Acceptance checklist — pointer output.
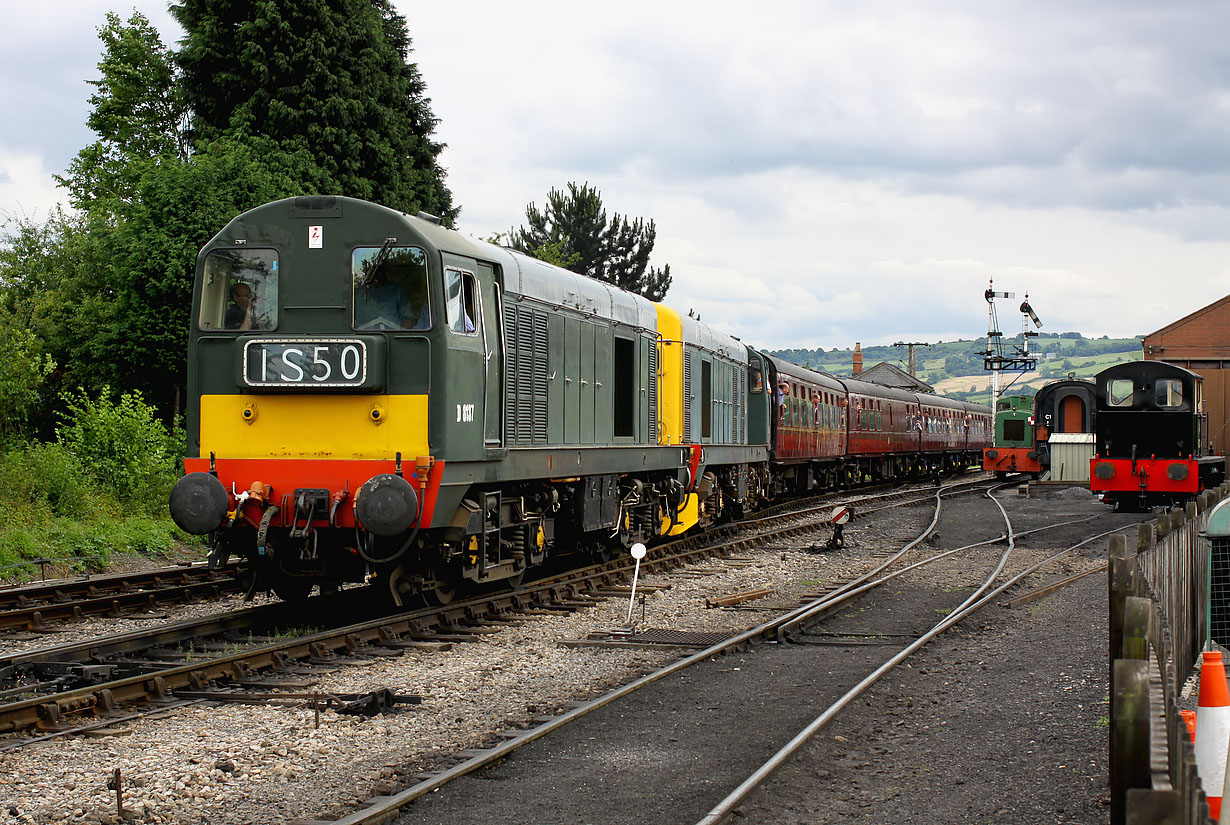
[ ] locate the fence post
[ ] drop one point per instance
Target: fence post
(1153, 807)
(1144, 538)
(1137, 613)
(1178, 517)
(1129, 767)
(1119, 585)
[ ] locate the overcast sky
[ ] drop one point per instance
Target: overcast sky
(819, 172)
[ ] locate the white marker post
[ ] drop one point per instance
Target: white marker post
(638, 553)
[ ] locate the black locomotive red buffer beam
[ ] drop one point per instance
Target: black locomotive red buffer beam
(1178, 476)
(1010, 460)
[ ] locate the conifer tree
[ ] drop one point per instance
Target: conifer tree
(329, 77)
(573, 227)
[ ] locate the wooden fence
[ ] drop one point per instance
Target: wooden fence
(1158, 626)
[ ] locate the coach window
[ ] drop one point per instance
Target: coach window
(1119, 392)
(239, 290)
(1169, 392)
(390, 288)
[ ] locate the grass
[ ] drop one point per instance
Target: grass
(86, 546)
(50, 508)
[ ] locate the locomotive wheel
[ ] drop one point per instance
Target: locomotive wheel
(514, 581)
(290, 589)
(440, 589)
(440, 595)
(436, 591)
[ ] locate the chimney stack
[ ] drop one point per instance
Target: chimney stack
(858, 359)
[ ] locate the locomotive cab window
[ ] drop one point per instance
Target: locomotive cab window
(459, 301)
(1169, 392)
(1119, 392)
(390, 288)
(239, 290)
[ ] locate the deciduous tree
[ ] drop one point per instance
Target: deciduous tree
(139, 114)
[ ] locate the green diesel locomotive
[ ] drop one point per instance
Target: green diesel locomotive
(372, 395)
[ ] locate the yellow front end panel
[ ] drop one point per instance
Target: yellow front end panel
(670, 385)
(315, 426)
(685, 518)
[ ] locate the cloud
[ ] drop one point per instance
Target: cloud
(47, 53)
(824, 173)
(27, 190)
(946, 97)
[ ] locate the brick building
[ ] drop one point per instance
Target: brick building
(1201, 343)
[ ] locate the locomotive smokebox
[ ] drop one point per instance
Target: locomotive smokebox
(198, 503)
(387, 505)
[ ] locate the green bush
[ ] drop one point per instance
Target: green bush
(99, 491)
(123, 446)
(42, 481)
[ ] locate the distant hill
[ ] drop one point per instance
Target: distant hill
(955, 368)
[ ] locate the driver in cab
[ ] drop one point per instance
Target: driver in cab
(387, 303)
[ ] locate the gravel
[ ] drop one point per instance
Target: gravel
(237, 764)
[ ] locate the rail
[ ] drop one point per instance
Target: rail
(1157, 627)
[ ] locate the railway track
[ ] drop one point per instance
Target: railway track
(88, 684)
(40, 607)
(985, 593)
(776, 630)
(792, 625)
(36, 607)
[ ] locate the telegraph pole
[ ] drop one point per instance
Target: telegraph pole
(912, 357)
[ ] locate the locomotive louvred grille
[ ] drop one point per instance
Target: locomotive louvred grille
(687, 397)
(540, 378)
(736, 391)
(653, 391)
(526, 390)
(512, 372)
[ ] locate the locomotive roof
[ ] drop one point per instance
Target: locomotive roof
(530, 277)
(527, 276)
(704, 336)
(1063, 384)
(1074, 386)
(1147, 369)
(523, 275)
